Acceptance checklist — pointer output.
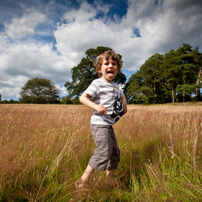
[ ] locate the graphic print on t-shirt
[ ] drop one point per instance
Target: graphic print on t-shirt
(118, 110)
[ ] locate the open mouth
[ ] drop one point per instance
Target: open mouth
(110, 73)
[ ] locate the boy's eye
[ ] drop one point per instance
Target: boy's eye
(107, 63)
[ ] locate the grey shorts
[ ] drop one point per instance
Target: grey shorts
(106, 155)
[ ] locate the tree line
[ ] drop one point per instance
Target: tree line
(175, 76)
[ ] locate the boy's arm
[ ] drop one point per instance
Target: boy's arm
(124, 102)
(84, 99)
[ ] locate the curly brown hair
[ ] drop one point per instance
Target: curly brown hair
(107, 55)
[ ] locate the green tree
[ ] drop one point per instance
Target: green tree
(146, 84)
(188, 71)
(137, 90)
(154, 64)
(198, 63)
(39, 90)
(171, 72)
(84, 73)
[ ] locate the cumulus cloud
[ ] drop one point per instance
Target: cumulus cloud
(11, 85)
(160, 27)
(81, 31)
(4, 42)
(32, 60)
(21, 27)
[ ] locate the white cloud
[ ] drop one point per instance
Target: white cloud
(24, 26)
(62, 90)
(85, 13)
(4, 42)
(11, 85)
(11, 81)
(82, 31)
(31, 60)
(8, 93)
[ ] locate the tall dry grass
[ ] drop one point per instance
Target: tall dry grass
(45, 148)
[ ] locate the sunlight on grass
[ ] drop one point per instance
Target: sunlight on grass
(44, 149)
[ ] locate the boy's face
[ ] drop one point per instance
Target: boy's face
(109, 69)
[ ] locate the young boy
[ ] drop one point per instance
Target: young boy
(104, 96)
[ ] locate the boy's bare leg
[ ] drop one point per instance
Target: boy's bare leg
(82, 182)
(88, 172)
(110, 178)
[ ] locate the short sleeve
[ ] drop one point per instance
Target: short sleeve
(121, 93)
(92, 90)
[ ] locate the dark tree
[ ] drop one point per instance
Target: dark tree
(198, 63)
(171, 72)
(39, 90)
(145, 86)
(188, 71)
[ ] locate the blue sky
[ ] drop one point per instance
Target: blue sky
(46, 38)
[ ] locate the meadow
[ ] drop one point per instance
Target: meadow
(44, 149)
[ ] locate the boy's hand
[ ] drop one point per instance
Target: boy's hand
(85, 100)
(101, 109)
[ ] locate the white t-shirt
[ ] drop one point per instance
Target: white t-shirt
(103, 92)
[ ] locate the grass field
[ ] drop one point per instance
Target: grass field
(44, 149)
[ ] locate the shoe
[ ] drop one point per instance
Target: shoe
(81, 185)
